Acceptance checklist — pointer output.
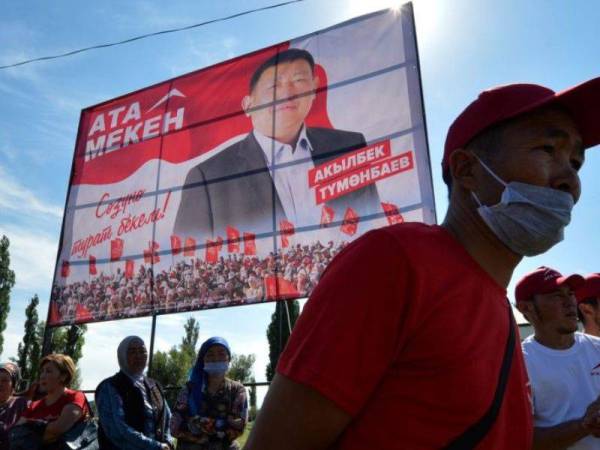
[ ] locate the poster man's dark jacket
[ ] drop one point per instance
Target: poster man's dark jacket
(213, 197)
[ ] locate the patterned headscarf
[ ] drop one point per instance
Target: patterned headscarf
(13, 370)
(198, 376)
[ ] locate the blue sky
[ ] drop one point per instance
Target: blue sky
(465, 46)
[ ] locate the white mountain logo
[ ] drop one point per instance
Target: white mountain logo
(172, 93)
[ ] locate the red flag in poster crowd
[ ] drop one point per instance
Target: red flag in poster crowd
(65, 269)
(175, 245)
(327, 215)
(287, 229)
(392, 213)
(154, 248)
(233, 240)
(350, 223)
(116, 249)
(82, 314)
(54, 315)
(150, 254)
(211, 254)
(249, 244)
(92, 265)
(219, 243)
(190, 247)
(129, 268)
(277, 287)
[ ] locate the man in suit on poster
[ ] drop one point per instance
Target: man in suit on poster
(263, 179)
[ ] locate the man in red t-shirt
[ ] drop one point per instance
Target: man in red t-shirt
(408, 340)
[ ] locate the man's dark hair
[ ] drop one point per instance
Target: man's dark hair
(289, 55)
(485, 145)
(588, 301)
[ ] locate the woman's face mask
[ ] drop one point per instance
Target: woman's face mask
(216, 360)
(216, 368)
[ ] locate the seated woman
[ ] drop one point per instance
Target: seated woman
(132, 409)
(212, 410)
(61, 408)
(11, 406)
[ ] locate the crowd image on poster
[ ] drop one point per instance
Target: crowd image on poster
(239, 183)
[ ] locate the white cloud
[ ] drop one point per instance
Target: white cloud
(99, 354)
(16, 197)
(27, 72)
(12, 338)
(20, 93)
(9, 152)
(99, 359)
(32, 257)
(23, 42)
(197, 53)
(157, 18)
(143, 17)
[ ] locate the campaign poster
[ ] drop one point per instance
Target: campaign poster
(239, 183)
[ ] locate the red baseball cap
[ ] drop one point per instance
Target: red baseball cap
(590, 289)
(544, 280)
(505, 102)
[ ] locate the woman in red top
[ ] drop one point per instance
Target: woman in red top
(61, 408)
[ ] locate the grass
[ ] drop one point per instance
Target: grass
(242, 439)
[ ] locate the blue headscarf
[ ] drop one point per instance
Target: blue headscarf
(198, 376)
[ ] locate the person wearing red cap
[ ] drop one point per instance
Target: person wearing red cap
(563, 364)
(588, 297)
(408, 340)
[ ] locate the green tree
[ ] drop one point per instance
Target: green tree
(190, 338)
(241, 369)
(69, 341)
(253, 410)
(7, 281)
(278, 331)
(171, 368)
(29, 350)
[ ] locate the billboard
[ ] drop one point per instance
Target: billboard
(238, 183)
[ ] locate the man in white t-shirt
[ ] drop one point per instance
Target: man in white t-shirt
(563, 365)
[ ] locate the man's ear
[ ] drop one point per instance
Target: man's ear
(585, 309)
(526, 308)
(461, 164)
(247, 104)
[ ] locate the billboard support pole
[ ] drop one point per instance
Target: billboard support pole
(287, 313)
(152, 334)
(47, 343)
(280, 315)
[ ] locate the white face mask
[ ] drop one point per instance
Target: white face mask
(528, 219)
(216, 368)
